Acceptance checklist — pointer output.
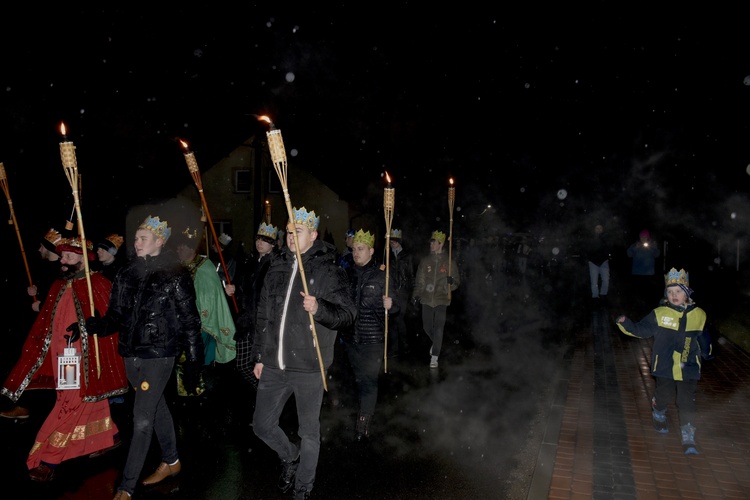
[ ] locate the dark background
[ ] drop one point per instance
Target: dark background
(555, 118)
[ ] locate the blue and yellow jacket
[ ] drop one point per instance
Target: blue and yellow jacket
(680, 340)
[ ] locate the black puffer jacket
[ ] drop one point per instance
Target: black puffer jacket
(367, 287)
(327, 282)
(152, 304)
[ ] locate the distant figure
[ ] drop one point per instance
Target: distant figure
(644, 280)
(110, 261)
(597, 253)
(401, 285)
(681, 339)
(345, 260)
(432, 288)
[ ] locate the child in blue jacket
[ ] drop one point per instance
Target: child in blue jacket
(681, 339)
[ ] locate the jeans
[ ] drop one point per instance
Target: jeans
(595, 272)
(366, 361)
(274, 389)
(433, 322)
(151, 415)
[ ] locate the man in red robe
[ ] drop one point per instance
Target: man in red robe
(80, 422)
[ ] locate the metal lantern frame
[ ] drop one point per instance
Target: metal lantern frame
(69, 369)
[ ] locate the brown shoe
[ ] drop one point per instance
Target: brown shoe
(162, 472)
(18, 412)
(43, 473)
(122, 495)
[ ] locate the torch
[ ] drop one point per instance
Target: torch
(389, 202)
(13, 221)
(451, 201)
(70, 165)
(192, 165)
(268, 212)
(278, 156)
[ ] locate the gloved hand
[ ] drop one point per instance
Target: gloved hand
(191, 376)
(75, 332)
(96, 325)
(450, 280)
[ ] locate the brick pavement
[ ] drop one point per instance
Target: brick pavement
(600, 442)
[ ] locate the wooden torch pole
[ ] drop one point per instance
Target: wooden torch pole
(6, 190)
(278, 156)
(70, 165)
(389, 203)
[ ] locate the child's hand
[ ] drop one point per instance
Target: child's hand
(621, 319)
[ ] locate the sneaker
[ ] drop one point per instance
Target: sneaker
(434, 362)
(163, 472)
(17, 412)
(288, 472)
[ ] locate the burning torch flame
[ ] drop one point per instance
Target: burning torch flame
(387, 178)
(266, 119)
(451, 181)
(185, 145)
(62, 129)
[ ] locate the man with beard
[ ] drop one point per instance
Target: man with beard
(80, 423)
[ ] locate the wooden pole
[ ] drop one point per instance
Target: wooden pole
(278, 156)
(389, 203)
(6, 190)
(451, 201)
(192, 164)
(70, 165)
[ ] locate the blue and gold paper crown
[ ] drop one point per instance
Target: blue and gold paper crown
(396, 233)
(675, 277)
(438, 236)
(267, 231)
(364, 237)
(305, 218)
(159, 228)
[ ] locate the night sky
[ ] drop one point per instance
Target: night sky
(554, 118)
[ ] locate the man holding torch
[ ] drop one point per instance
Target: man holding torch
(284, 350)
(437, 277)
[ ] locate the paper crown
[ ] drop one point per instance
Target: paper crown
(225, 239)
(52, 239)
(364, 237)
(267, 231)
(111, 243)
(159, 228)
(675, 277)
(307, 219)
(74, 245)
(396, 233)
(438, 236)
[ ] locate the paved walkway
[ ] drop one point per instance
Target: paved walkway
(600, 442)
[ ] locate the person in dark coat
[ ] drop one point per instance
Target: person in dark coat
(365, 339)
(288, 359)
(401, 276)
(250, 283)
(153, 306)
(597, 254)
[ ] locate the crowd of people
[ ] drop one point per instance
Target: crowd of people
(159, 321)
(153, 318)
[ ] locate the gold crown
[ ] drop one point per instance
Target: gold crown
(115, 239)
(364, 237)
(268, 231)
(53, 236)
(307, 219)
(675, 277)
(396, 233)
(159, 228)
(438, 236)
(74, 245)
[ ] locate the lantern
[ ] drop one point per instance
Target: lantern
(69, 369)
